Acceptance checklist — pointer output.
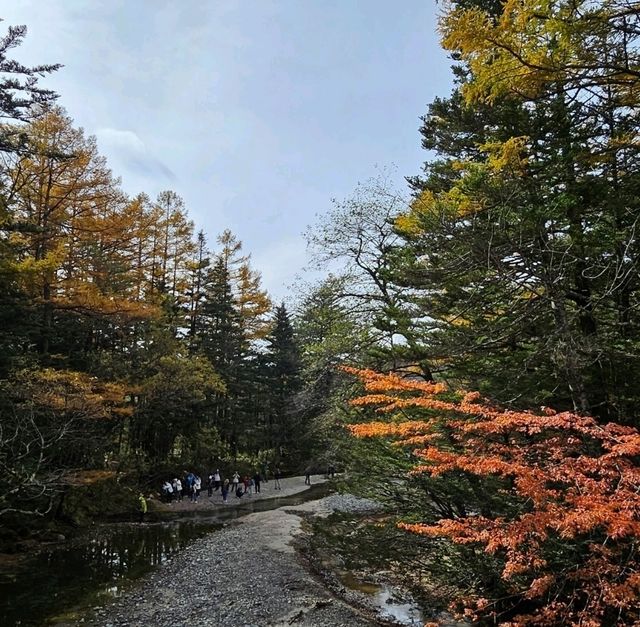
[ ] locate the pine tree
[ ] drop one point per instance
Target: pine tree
(72, 256)
(198, 268)
(282, 370)
(20, 98)
(223, 343)
(20, 94)
(518, 241)
(253, 302)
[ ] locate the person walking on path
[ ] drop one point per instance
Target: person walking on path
(189, 480)
(142, 507)
(236, 480)
(210, 485)
(256, 482)
(225, 490)
(194, 492)
(216, 480)
(307, 476)
(276, 476)
(177, 486)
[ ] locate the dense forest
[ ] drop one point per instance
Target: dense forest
(479, 333)
(127, 342)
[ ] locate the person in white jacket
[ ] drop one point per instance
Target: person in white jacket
(177, 488)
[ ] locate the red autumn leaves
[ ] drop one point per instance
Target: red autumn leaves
(578, 483)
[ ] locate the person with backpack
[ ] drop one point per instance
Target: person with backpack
(189, 479)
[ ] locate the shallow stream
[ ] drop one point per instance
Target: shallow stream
(386, 601)
(58, 585)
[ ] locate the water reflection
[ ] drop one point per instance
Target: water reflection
(90, 568)
(130, 547)
(100, 563)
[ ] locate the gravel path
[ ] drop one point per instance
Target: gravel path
(290, 485)
(247, 574)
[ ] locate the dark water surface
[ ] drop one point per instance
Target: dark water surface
(60, 584)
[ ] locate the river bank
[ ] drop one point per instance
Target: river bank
(59, 582)
(288, 487)
(248, 562)
(246, 574)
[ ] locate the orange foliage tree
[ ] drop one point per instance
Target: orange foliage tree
(569, 549)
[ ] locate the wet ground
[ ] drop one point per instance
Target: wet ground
(193, 566)
(62, 582)
(386, 600)
(245, 575)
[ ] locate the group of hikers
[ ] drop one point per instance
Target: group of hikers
(191, 485)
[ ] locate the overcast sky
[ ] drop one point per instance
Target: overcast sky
(257, 112)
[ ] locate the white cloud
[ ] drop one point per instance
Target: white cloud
(127, 147)
(117, 137)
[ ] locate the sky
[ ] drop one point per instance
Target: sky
(256, 112)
